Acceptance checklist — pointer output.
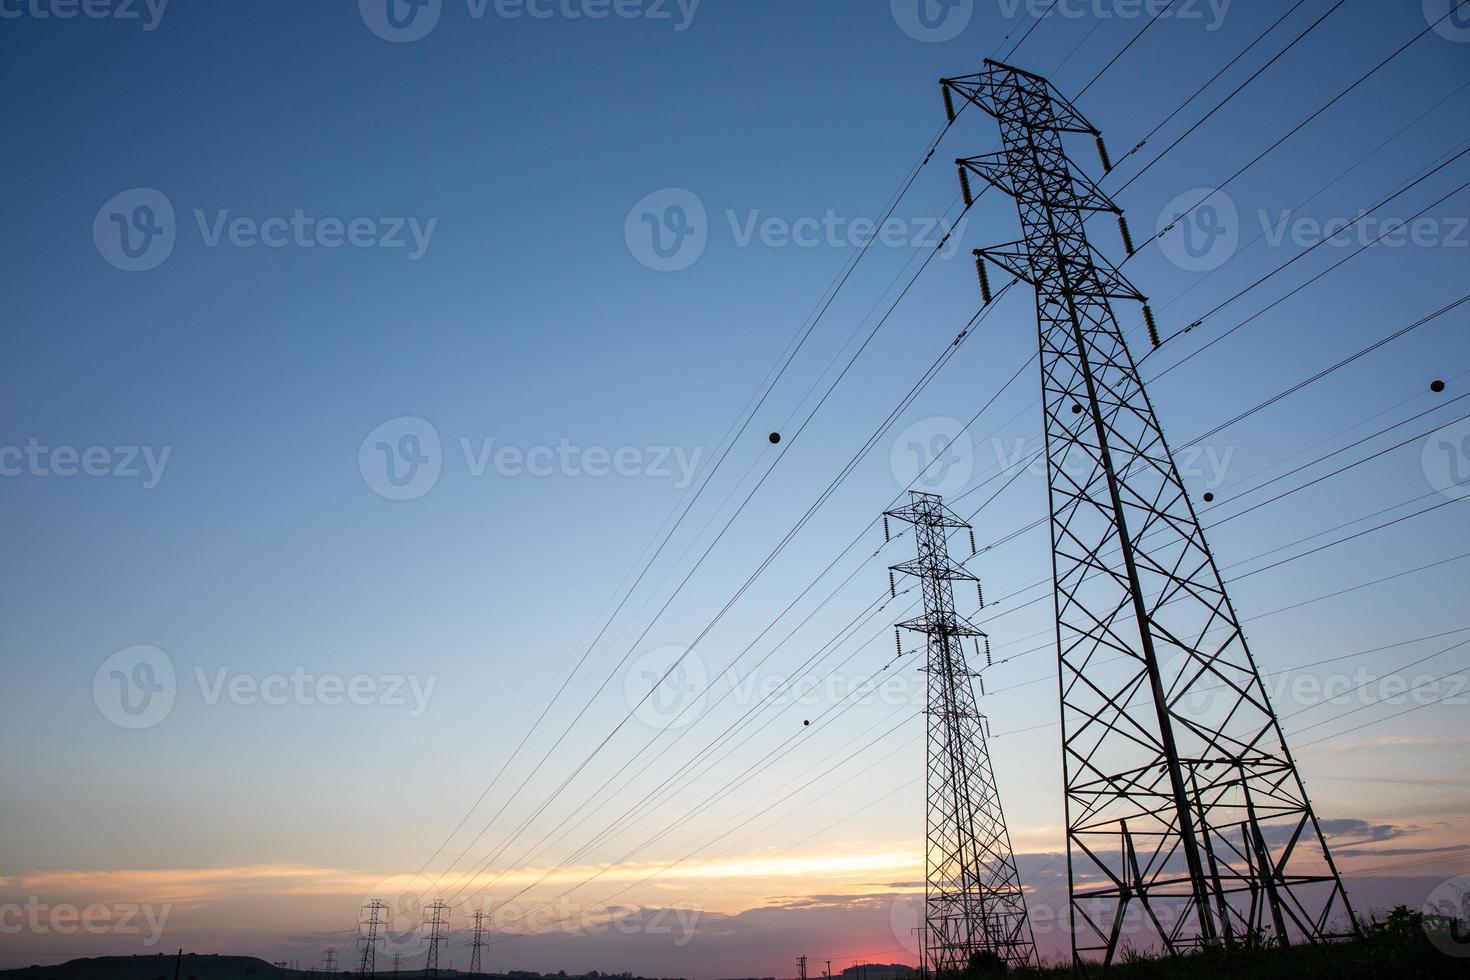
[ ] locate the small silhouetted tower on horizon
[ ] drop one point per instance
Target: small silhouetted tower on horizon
(479, 942)
(973, 901)
(1187, 821)
(436, 918)
(329, 961)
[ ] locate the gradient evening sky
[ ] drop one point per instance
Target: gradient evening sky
(529, 319)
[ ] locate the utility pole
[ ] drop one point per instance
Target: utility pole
(1183, 802)
(801, 967)
(973, 901)
(478, 943)
(372, 919)
(437, 915)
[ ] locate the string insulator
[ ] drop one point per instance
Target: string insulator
(1102, 152)
(898, 640)
(1153, 328)
(987, 727)
(982, 685)
(980, 593)
(887, 537)
(892, 589)
(965, 186)
(1127, 235)
(988, 661)
(972, 541)
(984, 279)
(949, 103)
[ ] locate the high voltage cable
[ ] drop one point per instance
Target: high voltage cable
(793, 348)
(1324, 188)
(745, 775)
(1295, 129)
(1356, 252)
(768, 387)
(1154, 19)
(1221, 104)
(790, 534)
(1213, 78)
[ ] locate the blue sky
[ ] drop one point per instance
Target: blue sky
(525, 151)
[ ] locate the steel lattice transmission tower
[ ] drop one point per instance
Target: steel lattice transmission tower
(329, 961)
(436, 917)
(1187, 822)
(372, 920)
(973, 902)
(479, 942)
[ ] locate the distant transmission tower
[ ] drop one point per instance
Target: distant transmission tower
(372, 919)
(397, 962)
(973, 902)
(479, 942)
(437, 916)
(1187, 822)
(329, 961)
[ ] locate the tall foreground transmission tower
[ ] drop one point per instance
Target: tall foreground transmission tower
(973, 903)
(1187, 822)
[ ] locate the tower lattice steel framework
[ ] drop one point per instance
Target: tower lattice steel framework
(368, 940)
(1187, 822)
(973, 902)
(437, 918)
